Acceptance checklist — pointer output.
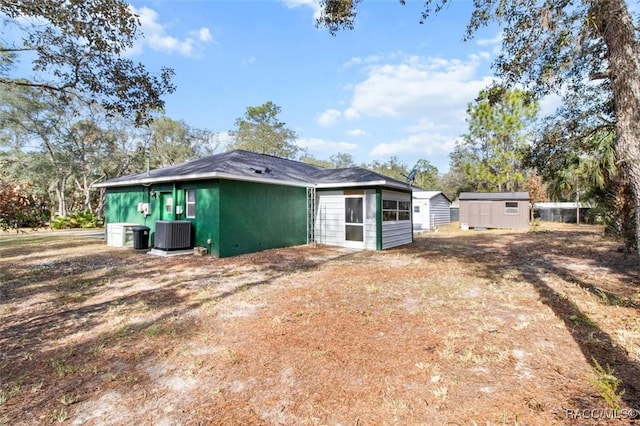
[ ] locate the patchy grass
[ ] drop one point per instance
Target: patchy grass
(607, 385)
(486, 328)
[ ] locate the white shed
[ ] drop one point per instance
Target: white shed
(430, 209)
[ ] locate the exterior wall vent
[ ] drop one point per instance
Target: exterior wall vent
(172, 235)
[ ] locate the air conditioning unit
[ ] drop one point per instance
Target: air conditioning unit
(172, 235)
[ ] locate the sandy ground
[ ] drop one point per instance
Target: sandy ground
(460, 328)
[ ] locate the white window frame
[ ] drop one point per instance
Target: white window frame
(511, 209)
(407, 210)
(190, 206)
(393, 210)
(396, 211)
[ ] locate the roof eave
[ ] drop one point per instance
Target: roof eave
(146, 181)
(357, 184)
(198, 176)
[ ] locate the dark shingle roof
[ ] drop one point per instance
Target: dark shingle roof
(245, 165)
(497, 196)
(353, 175)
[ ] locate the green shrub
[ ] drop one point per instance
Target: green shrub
(77, 220)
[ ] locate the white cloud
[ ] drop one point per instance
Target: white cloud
(351, 114)
(497, 40)
(353, 61)
(419, 144)
(204, 35)
(494, 43)
(549, 104)
(371, 59)
(224, 138)
(325, 146)
(356, 132)
(248, 60)
(415, 106)
(156, 37)
(433, 90)
(313, 4)
(328, 117)
(480, 56)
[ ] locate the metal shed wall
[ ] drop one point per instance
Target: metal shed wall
(433, 211)
(494, 214)
(440, 211)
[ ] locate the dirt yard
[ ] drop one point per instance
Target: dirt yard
(459, 328)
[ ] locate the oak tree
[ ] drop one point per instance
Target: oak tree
(76, 48)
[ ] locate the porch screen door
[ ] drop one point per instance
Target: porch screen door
(354, 218)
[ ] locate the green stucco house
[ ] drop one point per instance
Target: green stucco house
(242, 202)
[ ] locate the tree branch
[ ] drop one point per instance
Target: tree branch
(26, 83)
(600, 75)
(11, 50)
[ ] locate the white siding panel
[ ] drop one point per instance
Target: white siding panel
(393, 195)
(396, 233)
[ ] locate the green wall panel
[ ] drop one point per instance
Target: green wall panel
(122, 204)
(232, 217)
(207, 221)
(256, 217)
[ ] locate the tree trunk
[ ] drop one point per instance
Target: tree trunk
(101, 201)
(578, 206)
(61, 210)
(85, 187)
(624, 69)
(62, 197)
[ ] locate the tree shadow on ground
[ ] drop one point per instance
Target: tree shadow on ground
(48, 347)
(538, 257)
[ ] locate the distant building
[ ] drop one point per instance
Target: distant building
(565, 212)
(430, 210)
(508, 210)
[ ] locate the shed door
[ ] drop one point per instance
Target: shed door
(354, 220)
(480, 214)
